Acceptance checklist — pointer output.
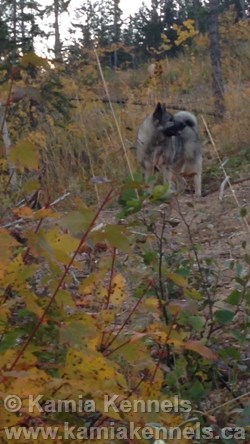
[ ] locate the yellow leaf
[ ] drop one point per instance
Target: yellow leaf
(177, 279)
(32, 302)
(7, 419)
(31, 58)
(24, 212)
(151, 303)
(27, 360)
(59, 245)
(117, 292)
(17, 273)
(7, 243)
(182, 282)
(201, 349)
(45, 212)
(94, 368)
(25, 155)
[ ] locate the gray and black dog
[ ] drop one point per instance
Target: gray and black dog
(170, 143)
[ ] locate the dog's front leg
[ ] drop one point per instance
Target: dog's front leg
(167, 175)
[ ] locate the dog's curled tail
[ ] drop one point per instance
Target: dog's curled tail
(186, 118)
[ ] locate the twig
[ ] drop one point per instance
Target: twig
(106, 306)
(129, 316)
(21, 220)
(244, 219)
(204, 281)
(231, 401)
(114, 116)
(163, 348)
(61, 281)
(233, 182)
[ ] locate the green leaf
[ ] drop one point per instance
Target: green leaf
(244, 421)
(9, 340)
(224, 316)
(197, 390)
(149, 257)
(247, 258)
(77, 221)
(243, 212)
(229, 352)
(159, 191)
(117, 238)
(64, 299)
(196, 322)
(76, 333)
(234, 297)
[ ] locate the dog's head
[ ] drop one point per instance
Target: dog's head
(161, 117)
(166, 123)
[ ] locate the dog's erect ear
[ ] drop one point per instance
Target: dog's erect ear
(157, 115)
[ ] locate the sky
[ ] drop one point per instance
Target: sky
(127, 6)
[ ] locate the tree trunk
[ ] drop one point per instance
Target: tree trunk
(7, 145)
(243, 9)
(196, 5)
(15, 21)
(58, 46)
(22, 21)
(217, 82)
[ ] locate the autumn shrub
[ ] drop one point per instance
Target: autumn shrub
(95, 305)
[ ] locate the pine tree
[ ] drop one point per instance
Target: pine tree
(57, 7)
(21, 20)
(217, 82)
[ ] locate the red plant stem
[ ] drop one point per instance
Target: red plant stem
(61, 281)
(163, 348)
(109, 289)
(111, 278)
(129, 316)
(109, 352)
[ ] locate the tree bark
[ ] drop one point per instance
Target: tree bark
(243, 9)
(217, 81)
(58, 46)
(196, 5)
(7, 145)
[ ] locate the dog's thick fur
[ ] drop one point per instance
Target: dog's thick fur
(170, 143)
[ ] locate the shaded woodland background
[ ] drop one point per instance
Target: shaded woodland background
(106, 287)
(191, 54)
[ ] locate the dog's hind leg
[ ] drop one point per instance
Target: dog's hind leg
(197, 184)
(198, 179)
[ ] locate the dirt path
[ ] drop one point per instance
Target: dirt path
(217, 226)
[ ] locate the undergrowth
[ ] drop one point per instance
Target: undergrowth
(93, 310)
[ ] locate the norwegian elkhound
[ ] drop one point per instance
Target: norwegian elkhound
(170, 143)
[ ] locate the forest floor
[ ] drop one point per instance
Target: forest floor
(218, 227)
